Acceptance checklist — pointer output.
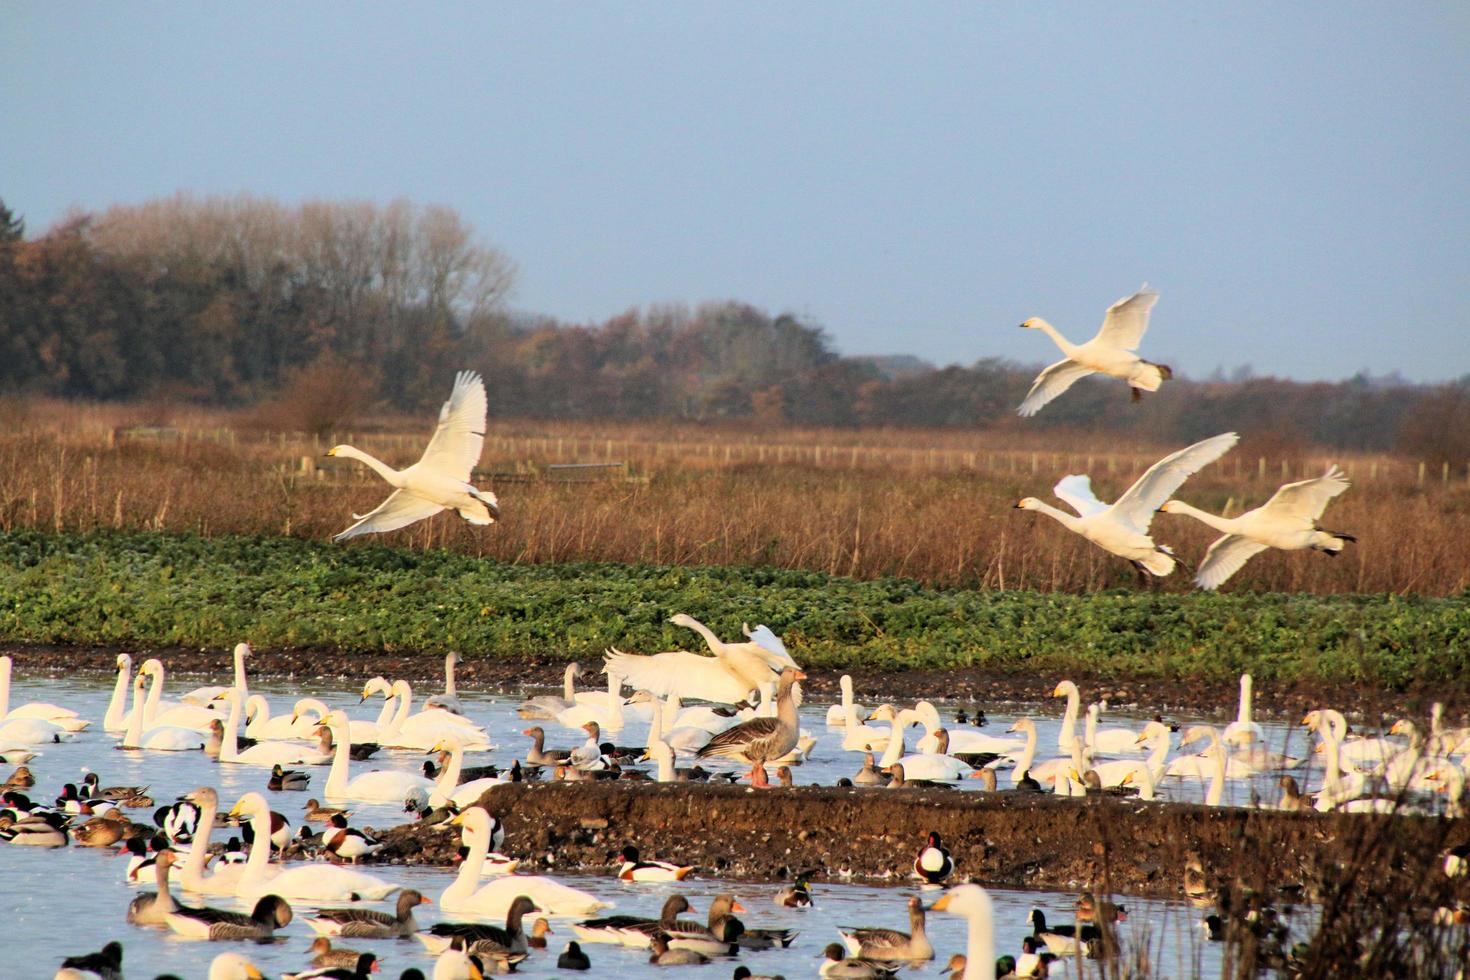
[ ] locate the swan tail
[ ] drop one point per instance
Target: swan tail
(492, 507)
(1331, 543)
(1159, 564)
(1148, 376)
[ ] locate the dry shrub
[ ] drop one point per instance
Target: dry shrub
(320, 398)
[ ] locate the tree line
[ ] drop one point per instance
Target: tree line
(238, 300)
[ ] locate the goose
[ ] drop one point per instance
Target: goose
(921, 766)
(103, 965)
(317, 883)
(572, 958)
(116, 718)
(64, 718)
(837, 713)
(890, 944)
(537, 755)
(202, 696)
(159, 713)
(264, 754)
(1287, 522)
(1121, 528)
(546, 707)
(868, 775)
(226, 878)
(1111, 352)
(635, 869)
(1292, 799)
(378, 786)
(761, 740)
(448, 788)
(839, 966)
(153, 908)
(933, 862)
(961, 740)
(287, 780)
(271, 912)
(476, 936)
(466, 896)
(370, 923)
(1107, 741)
(440, 480)
(158, 738)
(449, 700)
(420, 731)
(973, 904)
(324, 956)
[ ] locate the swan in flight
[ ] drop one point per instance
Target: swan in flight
(1110, 352)
(1287, 521)
(1122, 527)
(440, 479)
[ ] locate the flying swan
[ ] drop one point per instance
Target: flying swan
(440, 479)
(1122, 527)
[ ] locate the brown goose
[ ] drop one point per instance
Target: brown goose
(890, 944)
(630, 930)
(664, 956)
(488, 938)
(324, 956)
(153, 908)
(761, 740)
(271, 913)
(539, 755)
(369, 923)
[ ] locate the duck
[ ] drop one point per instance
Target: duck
(360, 966)
(1197, 890)
(546, 707)
(465, 895)
(92, 789)
(536, 939)
(973, 904)
(293, 780)
(103, 831)
(1111, 352)
(64, 718)
(316, 813)
(271, 912)
(378, 786)
(233, 966)
(140, 861)
(348, 843)
(662, 955)
(761, 740)
(572, 958)
(837, 713)
(796, 895)
(280, 831)
(1063, 940)
(634, 931)
(743, 973)
(1122, 528)
(891, 944)
(40, 829)
(318, 883)
(157, 738)
(635, 869)
(839, 966)
(449, 700)
(153, 908)
(1286, 522)
(933, 863)
(106, 964)
(21, 778)
(357, 923)
(724, 926)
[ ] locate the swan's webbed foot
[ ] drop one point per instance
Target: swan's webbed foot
(758, 777)
(1137, 393)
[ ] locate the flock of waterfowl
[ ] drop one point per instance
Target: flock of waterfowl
(175, 849)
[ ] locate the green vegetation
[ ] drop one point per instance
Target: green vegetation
(167, 589)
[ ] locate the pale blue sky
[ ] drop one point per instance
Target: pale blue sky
(1293, 177)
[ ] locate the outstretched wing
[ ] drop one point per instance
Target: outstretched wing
(689, 675)
(1137, 505)
(399, 510)
(1307, 499)
(455, 448)
(1050, 383)
(1224, 559)
(763, 637)
(1127, 319)
(1076, 490)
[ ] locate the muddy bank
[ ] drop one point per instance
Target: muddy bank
(967, 687)
(1108, 844)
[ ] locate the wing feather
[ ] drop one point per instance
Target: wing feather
(1076, 490)
(689, 675)
(735, 741)
(460, 436)
(1224, 559)
(1126, 320)
(1050, 383)
(399, 510)
(1307, 499)
(1139, 502)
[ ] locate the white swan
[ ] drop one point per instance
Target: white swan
(202, 696)
(378, 786)
(420, 731)
(1115, 773)
(1109, 741)
(158, 712)
(449, 700)
(684, 738)
(440, 479)
(316, 882)
(1243, 730)
(608, 714)
(1110, 352)
(923, 765)
(1358, 752)
(1043, 772)
(265, 753)
(361, 731)
(1121, 528)
(1215, 754)
(859, 736)
(466, 896)
(116, 719)
(448, 788)
(65, 718)
(261, 725)
(973, 904)
(1288, 522)
(961, 740)
(729, 676)
(837, 713)
(30, 731)
(1143, 778)
(192, 876)
(158, 738)
(545, 707)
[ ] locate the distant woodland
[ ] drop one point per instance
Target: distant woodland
(327, 308)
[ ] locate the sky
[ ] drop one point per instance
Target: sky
(1293, 177)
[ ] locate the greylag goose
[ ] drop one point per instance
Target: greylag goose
(538, 754)
(271, 912)
(324, 955)
(838, 965)
(631, 930)
(153, 908)
(370, 923)
(662, 955)
(761, 740)
(891, 944)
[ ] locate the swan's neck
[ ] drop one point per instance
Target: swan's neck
(715, 645)
(199, 846)
(469, 872)
(1066, 345)
(404, 693)
(240, 682)
(394, 477)
(1217, 777)
(449, 689)
(614, 692)
(1070, 521)
(449, 778)
(1028, 755)
(849, 707)
(929, 717)
(134, 733)
(665, 757)
(155, 693)
(980, 945)
(1090, 731)
(385, 713)
(895, 749)
(655, 726)
(1332, 775)
(229, 747)
(1243, 716)
(569, 684)
(1069, 721)
(1143, 773)
(117, 707)
(1225, 524)
(337, 775)
(1156, 755)
(1436, 718)
(260, 847)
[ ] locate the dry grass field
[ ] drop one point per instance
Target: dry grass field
(935, 506)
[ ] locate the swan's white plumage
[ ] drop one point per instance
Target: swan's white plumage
(1109, 352)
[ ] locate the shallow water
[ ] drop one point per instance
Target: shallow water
(72, 900)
